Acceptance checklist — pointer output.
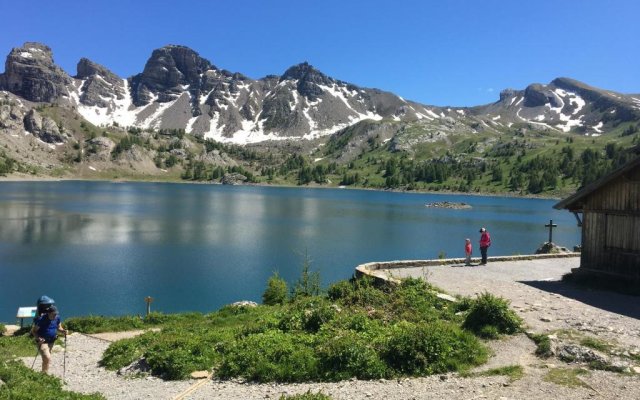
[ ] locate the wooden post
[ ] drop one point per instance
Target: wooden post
(551, 225)
(148, 300)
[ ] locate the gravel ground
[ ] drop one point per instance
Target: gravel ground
(535, 292)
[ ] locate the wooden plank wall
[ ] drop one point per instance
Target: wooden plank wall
(611, 228)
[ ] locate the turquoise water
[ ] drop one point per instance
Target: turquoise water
(101, 247)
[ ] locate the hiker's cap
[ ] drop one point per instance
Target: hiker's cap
(482, 229)
(52, 309)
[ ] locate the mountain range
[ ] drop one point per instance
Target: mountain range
(180, 91)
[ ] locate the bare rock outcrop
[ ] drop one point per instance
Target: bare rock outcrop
(43, 127)
(31, 73)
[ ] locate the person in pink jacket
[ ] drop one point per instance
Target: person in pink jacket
(468, 249)
(485, 242)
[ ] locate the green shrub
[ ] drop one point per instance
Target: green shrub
(349, 354)
(340, 290)
(122, 353)
(307, 314)
(425, 349)
(178, 356)
(490, 314)
(356, 321)
(281, 357)
(360, 292)
(2, 329)
(463, 304)
(415, 301)
(276, 292)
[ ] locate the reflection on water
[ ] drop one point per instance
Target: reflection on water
(100, 248)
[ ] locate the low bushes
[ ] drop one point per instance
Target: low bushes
(356, 330)
(271, 356)
(98, 324)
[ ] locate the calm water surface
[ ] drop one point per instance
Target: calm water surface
(101, 247)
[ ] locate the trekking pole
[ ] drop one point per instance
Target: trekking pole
(36, 357)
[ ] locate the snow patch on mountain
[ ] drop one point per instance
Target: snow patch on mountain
(598, 127)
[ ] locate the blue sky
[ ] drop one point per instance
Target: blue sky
(448, 52)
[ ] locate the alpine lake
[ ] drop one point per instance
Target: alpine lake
(100, 248)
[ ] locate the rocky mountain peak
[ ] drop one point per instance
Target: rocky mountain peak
(308, 79)
(99, 84)
(87, 68)
(31, 73)
(168, 72)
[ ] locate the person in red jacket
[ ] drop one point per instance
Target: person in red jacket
(485, 242)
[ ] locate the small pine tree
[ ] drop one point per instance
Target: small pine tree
(276, 292)
(309, 282)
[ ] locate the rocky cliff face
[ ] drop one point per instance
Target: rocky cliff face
(31, 74)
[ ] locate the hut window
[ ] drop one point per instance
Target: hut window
(622, 232)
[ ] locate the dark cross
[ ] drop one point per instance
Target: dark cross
(550, 225)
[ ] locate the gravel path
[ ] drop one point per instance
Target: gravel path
(536, 295)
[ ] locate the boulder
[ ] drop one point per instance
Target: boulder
(137, 367)
(44, 128)
(244, 303)
(233, 178)
(551, 248)
(200, 374)
(11, 117)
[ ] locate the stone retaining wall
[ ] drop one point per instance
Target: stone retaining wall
(374, 269)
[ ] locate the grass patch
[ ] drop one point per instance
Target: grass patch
(543, 344)
(306, 396)
(513, 372)
(596, 344)
(16, 346)
(566, 377)
(21, 382)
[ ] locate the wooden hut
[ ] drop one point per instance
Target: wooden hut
(609, 212)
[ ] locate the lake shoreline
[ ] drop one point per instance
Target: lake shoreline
(32, 178)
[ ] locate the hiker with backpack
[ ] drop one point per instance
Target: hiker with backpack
(45, 331)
